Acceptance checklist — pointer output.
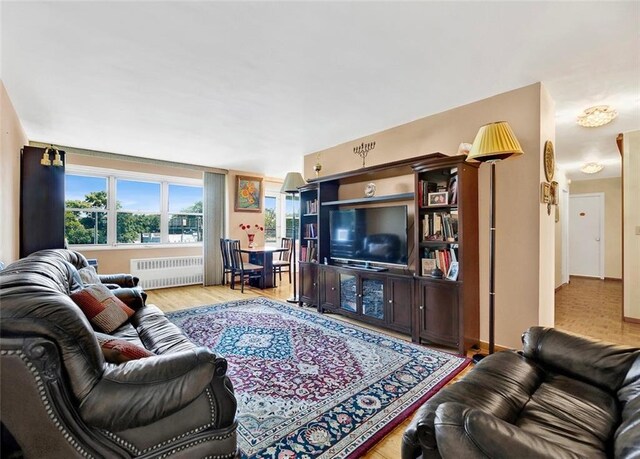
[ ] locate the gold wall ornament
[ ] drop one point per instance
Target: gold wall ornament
(363, 150)
(549, 160)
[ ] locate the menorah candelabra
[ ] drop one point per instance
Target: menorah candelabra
(363, 150)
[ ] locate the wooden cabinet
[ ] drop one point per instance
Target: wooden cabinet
(309, 283)
(438, 313)
(329, 289)
(399, 298)
(41, 202)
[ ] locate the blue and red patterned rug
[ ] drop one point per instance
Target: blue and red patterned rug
(312, 386)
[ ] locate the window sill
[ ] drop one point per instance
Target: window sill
(102, 247)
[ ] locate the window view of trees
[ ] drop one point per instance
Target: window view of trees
(137, 212)
(270, 219)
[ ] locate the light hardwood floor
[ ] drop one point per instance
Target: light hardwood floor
(586, 306)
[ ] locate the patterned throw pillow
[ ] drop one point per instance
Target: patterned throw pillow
(119, 350)
(102, 307)
(88, 275)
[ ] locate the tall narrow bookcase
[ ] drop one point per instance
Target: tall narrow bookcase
(446, 237)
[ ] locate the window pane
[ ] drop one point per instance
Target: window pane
(82, 227)
(185, 228)
(138, 228)
(292, 202)
(183, 198)
(82, 191)
(138, 196)
(270, 219)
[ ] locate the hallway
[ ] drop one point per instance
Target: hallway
(593, 307)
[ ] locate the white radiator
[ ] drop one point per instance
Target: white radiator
(168, 271)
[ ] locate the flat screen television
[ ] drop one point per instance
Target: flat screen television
(369, 235)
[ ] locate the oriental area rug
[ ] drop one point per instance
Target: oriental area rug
(310, 386)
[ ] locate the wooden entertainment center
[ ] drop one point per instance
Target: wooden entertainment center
(442, 228)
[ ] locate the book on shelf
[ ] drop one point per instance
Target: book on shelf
(309, 251)
(310, 230)
(443, 257)
(312, 207)
(424, 188)
(440, 226)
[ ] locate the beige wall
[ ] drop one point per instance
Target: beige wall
(117, 260)
(546, 245)
(563, 187)
(13, 139)
(631, 184)
(525, 271)
(612, 189)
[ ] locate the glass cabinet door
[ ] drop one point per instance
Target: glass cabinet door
(348, 292)
(373, 298)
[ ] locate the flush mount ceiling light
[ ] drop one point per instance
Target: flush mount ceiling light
(592, 168)
(597, 116)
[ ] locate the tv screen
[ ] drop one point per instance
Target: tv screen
(372, 234)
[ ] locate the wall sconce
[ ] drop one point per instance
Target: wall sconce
(46, 160)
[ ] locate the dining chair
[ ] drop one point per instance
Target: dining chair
(284, 259)
(246, 271)
(226, 259)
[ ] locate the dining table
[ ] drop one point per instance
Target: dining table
(263, 256)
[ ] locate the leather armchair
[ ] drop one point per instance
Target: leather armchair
(60, 398)
(563, 396)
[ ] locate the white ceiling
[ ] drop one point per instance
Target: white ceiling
(255, 86)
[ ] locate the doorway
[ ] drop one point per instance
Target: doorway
(586, 235)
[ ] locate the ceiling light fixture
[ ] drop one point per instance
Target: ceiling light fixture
(592, 168)
(597, 116)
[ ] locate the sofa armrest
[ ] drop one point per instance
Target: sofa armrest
(133, 297)
(141, 391)
(466, 432)
(123, 280)
(600, 363)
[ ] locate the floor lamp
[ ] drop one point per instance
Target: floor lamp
(292, 182)
(494, 142)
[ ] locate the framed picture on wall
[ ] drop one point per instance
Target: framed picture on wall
(249, 193)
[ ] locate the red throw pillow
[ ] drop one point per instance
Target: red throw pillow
(102, 307)
(119, 350)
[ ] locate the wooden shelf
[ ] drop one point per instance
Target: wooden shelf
(443, 207)
(387, 198)
(431, 243)
(309, 215)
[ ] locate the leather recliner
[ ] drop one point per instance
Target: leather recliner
(60, 398)
(563, 396)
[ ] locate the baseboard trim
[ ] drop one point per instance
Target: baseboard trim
(613, 279)
(631, 320)
(560, 286)
(484, 346)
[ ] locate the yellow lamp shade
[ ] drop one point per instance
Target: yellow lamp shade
(494, 141)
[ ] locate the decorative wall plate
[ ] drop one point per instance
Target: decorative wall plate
(549, 160)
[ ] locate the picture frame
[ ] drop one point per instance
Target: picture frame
(439, 198)
(452, 274)
(428, 265)
(249, 194)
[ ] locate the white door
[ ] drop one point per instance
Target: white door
(586, 244)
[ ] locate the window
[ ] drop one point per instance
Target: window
(138, 212)
(85, 217)
(113, 207)
(270, 219)
(185, 213)
(293, 201)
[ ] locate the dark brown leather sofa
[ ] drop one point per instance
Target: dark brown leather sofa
(61, 399)
(563, 396)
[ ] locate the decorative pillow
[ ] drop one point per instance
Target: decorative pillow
(88, 275)
(102, 307)
(119, 350)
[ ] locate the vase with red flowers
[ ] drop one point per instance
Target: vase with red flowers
(251, 232)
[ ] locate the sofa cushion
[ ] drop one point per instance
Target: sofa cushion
(571, 413)
(119, 350)
(627, 437)
(103, 309)
(157, 333)
(88, 275)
